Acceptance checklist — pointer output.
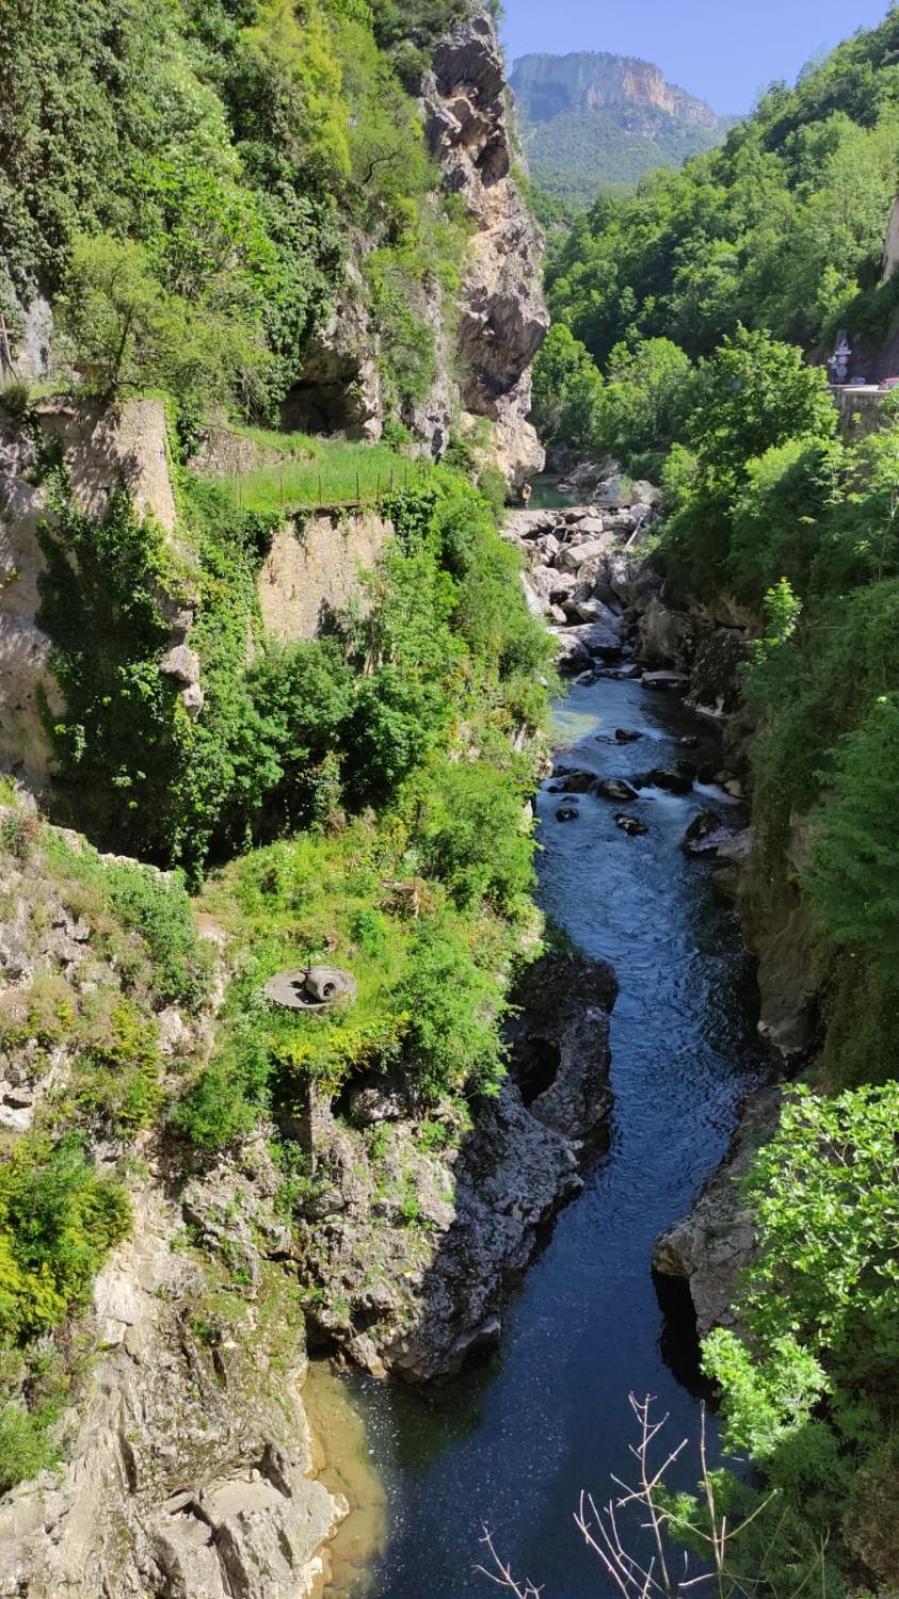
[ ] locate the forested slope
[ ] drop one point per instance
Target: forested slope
(692, 320)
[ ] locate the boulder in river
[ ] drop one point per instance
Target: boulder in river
(673, 682)
(631, 825)
(706, 834)
(567, 813)
(627, 735)
(574, 781)
(616, 789)
(673, 779)
(574, 556)
(597, 638)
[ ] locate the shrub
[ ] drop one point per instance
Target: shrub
(452, 1007)
(58, 1219)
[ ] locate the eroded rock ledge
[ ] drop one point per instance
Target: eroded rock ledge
(189, 1474)
(418, 1228)
(712, 1247)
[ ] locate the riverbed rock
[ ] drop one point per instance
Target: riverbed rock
(670, 682)
(706, 834)
(666, 637)
(574, 781)
(560, 1042)
(631, 825)
(408, 1274)
(598, 639)
(712, 1247)
(567, 813)
(673, 779)
(617, 789)
(575, 556)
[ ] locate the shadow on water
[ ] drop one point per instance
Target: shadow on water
(514, 1440)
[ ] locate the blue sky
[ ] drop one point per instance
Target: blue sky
(725, 51)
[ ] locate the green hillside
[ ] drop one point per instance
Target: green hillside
(590, 120)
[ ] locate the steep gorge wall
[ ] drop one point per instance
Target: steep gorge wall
(102, 450)
(487, 333)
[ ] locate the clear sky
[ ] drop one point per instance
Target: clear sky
(725, 51)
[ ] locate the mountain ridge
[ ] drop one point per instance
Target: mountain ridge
(590, 118)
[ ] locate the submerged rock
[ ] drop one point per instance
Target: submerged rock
(673, 779)
(574, 781)
(706, 834)
(631, 825)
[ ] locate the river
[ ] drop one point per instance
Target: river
(513, 1441)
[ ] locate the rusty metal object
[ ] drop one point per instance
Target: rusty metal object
(310, 988)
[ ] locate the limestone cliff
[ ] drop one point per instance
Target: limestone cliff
(487, 333)
(503, 318)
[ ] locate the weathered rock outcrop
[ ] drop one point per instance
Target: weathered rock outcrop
(188, 1474)
(712, 1247)
(585, 573)
(313, 568)
(412, 1240)
(503, 318)
(186, 1457)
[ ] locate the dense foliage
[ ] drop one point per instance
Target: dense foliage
(814, 1395)
(185, 178)
(276, 740)
(781, 229)
(414, 709)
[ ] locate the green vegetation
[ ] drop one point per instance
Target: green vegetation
(184, 184)
(815, 1400)
(782, 229)
(414, 709)
(86, 1040)
(315, 473)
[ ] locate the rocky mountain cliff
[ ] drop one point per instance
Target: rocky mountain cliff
(590, 118)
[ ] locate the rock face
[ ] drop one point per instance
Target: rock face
(186, 1457)
(486, 339)
(189, 1472)
(503, 318)
(340, 389)
(313, 568)
(412, 1242)
(713, 1246)
(101, 450)
(586, 574)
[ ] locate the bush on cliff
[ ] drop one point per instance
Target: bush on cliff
(813, 1396)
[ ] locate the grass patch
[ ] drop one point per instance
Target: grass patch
(314, 472)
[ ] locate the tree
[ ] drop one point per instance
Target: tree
(755, 393)
(741, 1541)
(568, 390)
(125, 331)
(646, 395)
(853, 881)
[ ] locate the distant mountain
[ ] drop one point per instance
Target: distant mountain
(591, 119)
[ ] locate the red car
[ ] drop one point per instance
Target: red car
(888, 383)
